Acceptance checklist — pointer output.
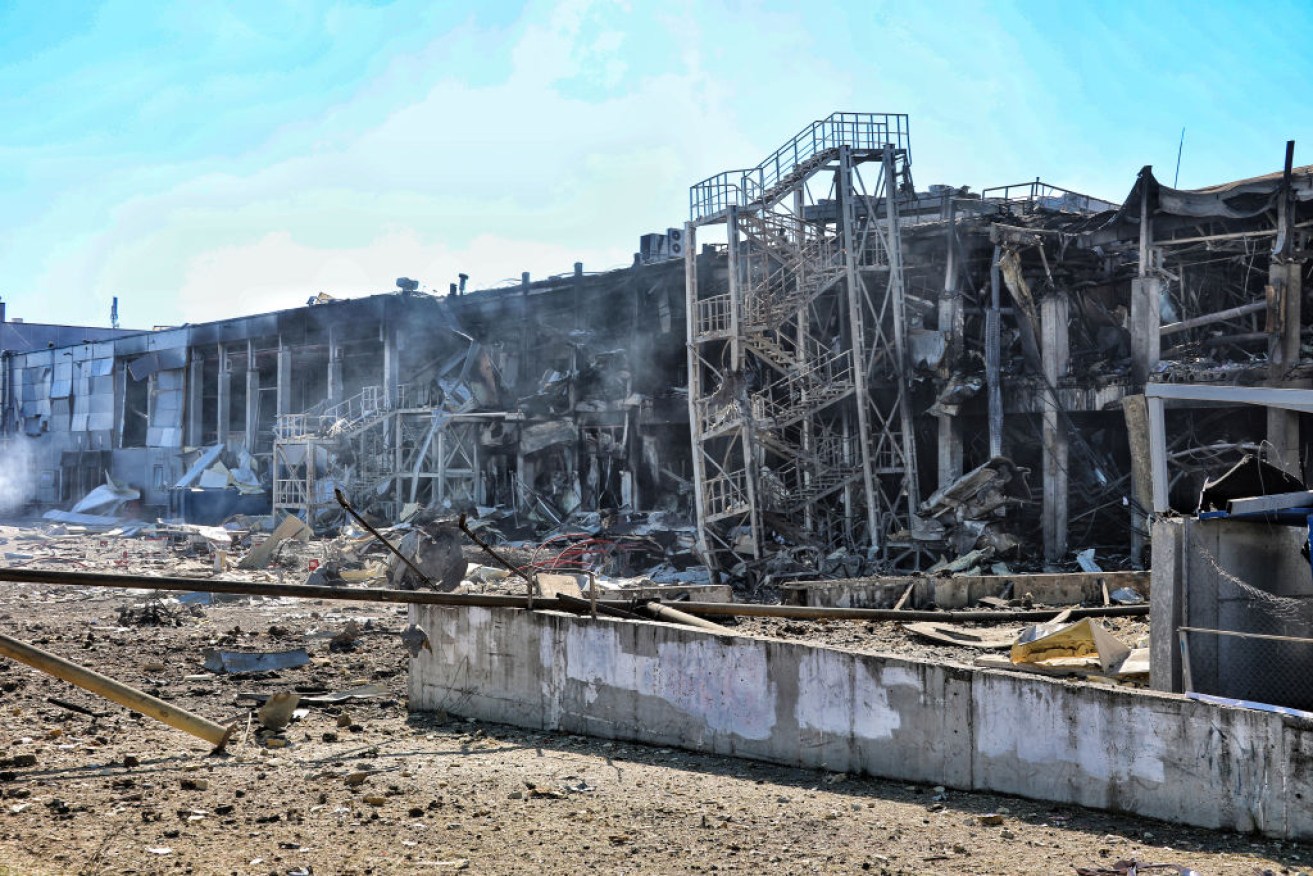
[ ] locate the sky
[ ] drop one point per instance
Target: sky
(207, 160)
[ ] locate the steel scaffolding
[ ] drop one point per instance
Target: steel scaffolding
(801, 425)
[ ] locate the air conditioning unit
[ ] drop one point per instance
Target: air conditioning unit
(675, 243)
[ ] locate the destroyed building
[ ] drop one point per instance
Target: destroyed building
(828, 371)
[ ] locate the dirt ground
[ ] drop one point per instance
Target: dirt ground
(363, 787)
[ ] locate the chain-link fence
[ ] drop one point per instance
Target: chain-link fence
(1250, 645)
(1259, 667)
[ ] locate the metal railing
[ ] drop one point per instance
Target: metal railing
(1039, 194)
(813, 144)
(726, 494)
(715, 315)
(802, 393)
(325, 419)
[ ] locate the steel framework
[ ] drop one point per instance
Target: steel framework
(801, 423)
(420, 454)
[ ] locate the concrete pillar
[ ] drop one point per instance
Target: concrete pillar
(1146, 346)
(283, 404)
(252, 397)
(336, 392)
(1135, 411)
(1056, 356)
(1170, 574)
(993, 358)
(223, 407)
(526, 377)
(1284, 313)
(195, 399)
(391, 362)
(1146, 295)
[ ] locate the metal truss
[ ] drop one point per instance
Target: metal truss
(420, 455)
(800, 418)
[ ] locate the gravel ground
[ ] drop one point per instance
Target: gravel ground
(365, 788)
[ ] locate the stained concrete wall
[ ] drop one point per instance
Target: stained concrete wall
(1151, 754)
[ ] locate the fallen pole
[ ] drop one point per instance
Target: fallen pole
(116, 691)
(487, 549)
(426, 597)
(346, 506)
(675, 616)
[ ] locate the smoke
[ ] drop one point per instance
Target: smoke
(17, 475)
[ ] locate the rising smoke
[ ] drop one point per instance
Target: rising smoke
(17, 476)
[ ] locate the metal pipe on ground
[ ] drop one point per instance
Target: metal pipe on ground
(584, 606)
(104, 686)
(424, 597)
(675, 616)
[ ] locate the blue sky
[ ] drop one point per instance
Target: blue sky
(206, 160)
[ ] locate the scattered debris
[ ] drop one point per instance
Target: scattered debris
(415, 639)
(289, 528)
(243, 662)
(949, 635)
(277, 711)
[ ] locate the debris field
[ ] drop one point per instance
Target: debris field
(354, 784)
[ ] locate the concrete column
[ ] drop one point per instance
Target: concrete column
(391, 361)
(284, 376)
(1146, 345)
(526, 377)
(336, 393)
(195, 399)
(1056, 356)
(252, 397)
(1135, 411)
(1170, 577)
(1146, 295)
(993, 358)
(223, 407)
(1284, 313)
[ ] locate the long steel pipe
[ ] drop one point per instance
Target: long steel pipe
(102, 685)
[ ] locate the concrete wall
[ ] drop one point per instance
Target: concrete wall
(1150, 754)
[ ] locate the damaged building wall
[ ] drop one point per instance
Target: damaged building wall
(547, 398)
(1032, 318)
(861, 351)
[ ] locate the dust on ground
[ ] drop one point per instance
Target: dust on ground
(364, 787)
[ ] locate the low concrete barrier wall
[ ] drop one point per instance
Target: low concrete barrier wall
(1152, 754)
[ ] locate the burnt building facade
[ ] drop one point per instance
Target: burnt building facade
(827, 371)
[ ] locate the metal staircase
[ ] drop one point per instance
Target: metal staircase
(414, 452)
(795, 363)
